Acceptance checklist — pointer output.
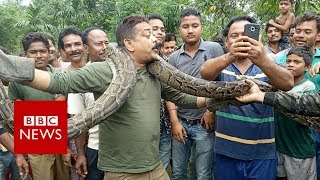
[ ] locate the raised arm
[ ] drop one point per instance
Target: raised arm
(287, 24)
(279, 77)
(213, 67)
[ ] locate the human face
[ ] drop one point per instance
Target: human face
(97, 43)
(141, 47)
(236, 30)
(273, 34)
(73, 47)
(284, 6)
(291, 37)
(40, 53)
(158, 30)
(190, 29)
(168, 48)
(306, 34)
(296, 65)
(52, 50)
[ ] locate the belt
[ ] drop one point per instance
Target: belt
(192, 122)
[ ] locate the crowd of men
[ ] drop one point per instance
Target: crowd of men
(159, 126)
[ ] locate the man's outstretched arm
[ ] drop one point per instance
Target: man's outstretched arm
(297, 103)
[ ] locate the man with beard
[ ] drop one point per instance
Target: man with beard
(186, 123)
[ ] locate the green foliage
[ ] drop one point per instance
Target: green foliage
(50, 16)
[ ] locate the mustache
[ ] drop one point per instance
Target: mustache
(75, 53)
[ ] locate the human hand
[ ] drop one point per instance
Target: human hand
(315, 69)
(178, 132)
(257, 53)
(254, 94)
(22, 165)
(207, 121)
(81, 165)
(271, 21)
(67, 158)
(238, 50)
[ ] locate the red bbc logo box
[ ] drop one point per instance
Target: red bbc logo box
(40, 127)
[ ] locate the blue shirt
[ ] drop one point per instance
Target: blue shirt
(245, 132)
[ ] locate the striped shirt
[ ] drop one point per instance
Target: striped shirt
(245, 132)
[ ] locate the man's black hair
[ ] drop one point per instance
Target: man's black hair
(126, 29)
(34, 37)
(190, 11)
(155, 16)
(86, 33)
(170, 37)
(308, 16)
(291, 1)
(237, 19)
(67, 31)
(52, 39)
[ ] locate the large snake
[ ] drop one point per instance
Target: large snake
(123, 82)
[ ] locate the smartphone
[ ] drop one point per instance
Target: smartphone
(252, 30)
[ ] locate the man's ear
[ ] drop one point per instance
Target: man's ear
(129, 44)
(318, 37)
(307, 67)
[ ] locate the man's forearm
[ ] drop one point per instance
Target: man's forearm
(7, 141)
(298, 103)
(79, 141)
(279, 77)
(213, 67)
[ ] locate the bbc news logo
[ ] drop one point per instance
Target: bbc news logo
(36, 134)
(40, 127)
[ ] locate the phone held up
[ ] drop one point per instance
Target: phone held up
(252, 30)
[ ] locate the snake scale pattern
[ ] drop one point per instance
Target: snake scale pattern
(123, 82)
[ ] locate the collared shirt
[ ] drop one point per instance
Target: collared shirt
(181, 60)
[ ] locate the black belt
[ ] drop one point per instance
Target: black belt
(192, 122)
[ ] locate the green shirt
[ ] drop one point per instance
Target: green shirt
(293, 138)
(18, 91)
(129, 138)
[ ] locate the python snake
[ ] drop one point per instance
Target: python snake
(123, 82)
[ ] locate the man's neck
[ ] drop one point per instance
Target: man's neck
(192, 49)
(312, 50)
(274, 46)
(299, 79)
(78, 64)
(243, 65)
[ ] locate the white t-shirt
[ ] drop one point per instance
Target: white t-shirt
(77, 102)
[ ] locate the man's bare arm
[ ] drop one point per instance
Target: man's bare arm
(213, 67)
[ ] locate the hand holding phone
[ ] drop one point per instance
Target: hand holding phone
(252, 30)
